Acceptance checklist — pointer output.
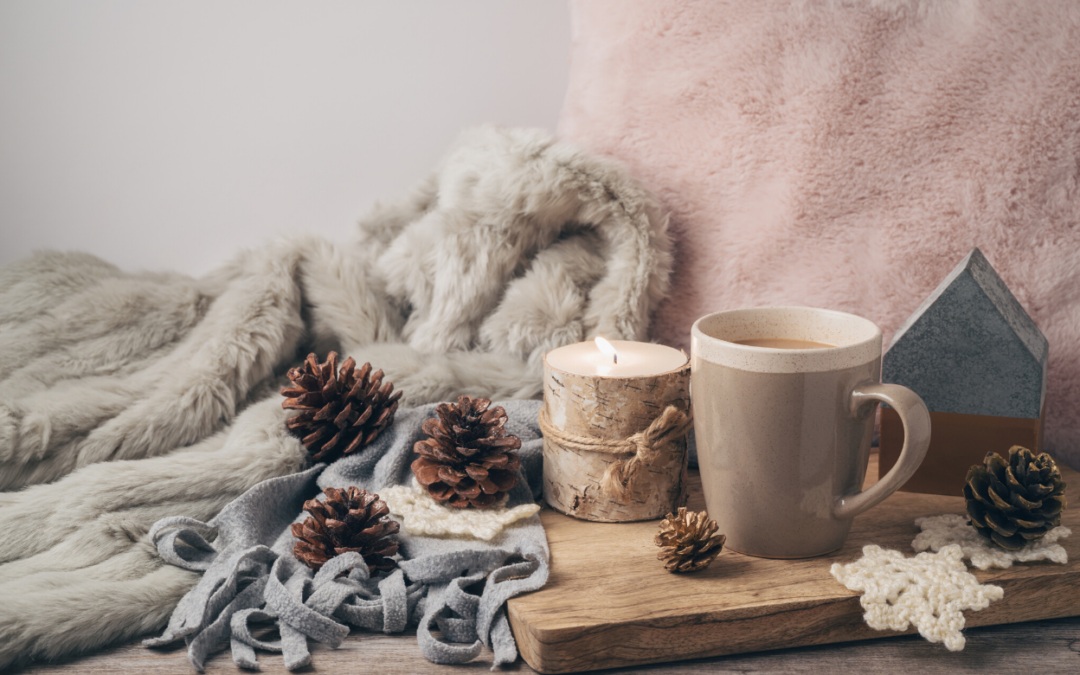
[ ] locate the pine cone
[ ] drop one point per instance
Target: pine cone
(1014, 502)
(349, 520)
(688, 542)
(469, 459)
(342, 411)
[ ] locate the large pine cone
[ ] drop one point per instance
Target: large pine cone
(349, 520)
(688, 541)
(469, 459)
(341, 410)
(1014, 502)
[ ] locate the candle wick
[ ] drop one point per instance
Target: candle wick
(615, 358)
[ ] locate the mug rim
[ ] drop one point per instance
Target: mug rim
(864, 345)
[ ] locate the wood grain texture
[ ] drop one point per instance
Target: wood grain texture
(958, 442)
(362, 652)
(609, 602)
(612, 409)
(1016, 649)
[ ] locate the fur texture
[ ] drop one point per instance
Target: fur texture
(849, 154)
(160, 392)
(76, 568)
(517, 244)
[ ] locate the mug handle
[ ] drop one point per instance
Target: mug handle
(916, 420)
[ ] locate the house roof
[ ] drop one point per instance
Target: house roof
(971, 348)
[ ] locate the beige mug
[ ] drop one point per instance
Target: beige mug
(784, 401)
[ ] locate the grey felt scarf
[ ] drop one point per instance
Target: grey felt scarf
(456, 584)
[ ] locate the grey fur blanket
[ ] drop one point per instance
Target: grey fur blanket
(126, 398)
(456, 584)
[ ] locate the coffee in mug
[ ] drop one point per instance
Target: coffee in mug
(784, 401)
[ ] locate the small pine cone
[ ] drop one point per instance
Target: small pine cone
(688, 541)
(349, 520)
(469, 459)
(341, 410)
(1012, 503)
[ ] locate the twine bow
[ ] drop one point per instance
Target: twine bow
(621, 475)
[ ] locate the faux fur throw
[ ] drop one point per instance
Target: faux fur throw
(160, 391)
(457, 585)
(849, 153)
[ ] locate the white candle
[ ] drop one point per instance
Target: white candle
(617, 358)
(596, 393)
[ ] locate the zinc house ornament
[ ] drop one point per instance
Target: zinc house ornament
(978, 361)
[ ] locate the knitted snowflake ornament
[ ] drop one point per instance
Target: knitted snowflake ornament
(941, 531)
(421, 514)
(929, 591)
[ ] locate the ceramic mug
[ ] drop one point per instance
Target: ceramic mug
(783, 434)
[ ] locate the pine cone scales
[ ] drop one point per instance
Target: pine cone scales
(688, 541)
(1015, 502)
(349, 520)
(341, 410)
(469, 459)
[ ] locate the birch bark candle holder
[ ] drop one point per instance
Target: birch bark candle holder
(615, 421)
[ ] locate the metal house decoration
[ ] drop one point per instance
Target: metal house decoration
(979, 362)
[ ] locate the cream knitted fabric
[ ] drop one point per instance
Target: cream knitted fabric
(929, 591)
(423, 515)
(941, 531)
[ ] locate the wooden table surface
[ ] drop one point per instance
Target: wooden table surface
(1034, 648)
(609, 603)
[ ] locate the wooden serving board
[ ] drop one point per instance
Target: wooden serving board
(609, 602)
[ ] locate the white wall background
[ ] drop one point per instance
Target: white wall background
(168, 135)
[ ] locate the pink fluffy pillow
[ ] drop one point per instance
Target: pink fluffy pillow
(848, 154)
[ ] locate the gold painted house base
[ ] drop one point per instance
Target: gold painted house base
(957, 441)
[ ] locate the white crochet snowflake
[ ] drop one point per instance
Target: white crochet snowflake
(940, 531)
(929, 591)
(423, 515)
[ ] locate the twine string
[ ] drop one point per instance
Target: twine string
(643, 447)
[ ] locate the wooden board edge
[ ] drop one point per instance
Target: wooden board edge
(702, 635)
